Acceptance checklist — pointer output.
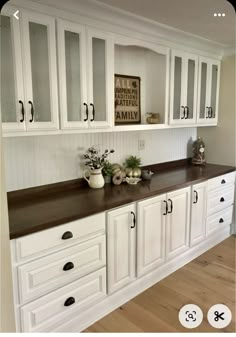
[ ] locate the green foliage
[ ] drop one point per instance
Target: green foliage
(107, 169)
(132, 162)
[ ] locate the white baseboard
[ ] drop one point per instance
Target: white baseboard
(119, 298)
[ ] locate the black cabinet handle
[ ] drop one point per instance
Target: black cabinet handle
(207, 116)
(196, 200)
(32, 112)
(183, 107)
(171, 206)
(187, 112)
(134, 220)
(211, 112)
(67, 235)
(93, 112)
(222, 199)
(69, 301)
(22, 111)
(221, 220)
(223, 181)
(85, 104)
(166, 207)
(68, 266)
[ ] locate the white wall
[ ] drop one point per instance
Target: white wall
(34, 161)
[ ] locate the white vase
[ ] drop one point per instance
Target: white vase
(95, 178)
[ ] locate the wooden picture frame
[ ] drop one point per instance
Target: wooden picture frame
(127, 100)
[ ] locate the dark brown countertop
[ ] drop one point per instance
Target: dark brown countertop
(45, 210)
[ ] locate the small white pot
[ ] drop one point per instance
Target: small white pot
(95, 178)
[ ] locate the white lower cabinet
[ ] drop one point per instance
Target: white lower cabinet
(150, 234)
(178, 222)
(49, 311)
(198, 214)
(121, 247)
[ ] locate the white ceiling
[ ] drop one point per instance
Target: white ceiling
(193, 16)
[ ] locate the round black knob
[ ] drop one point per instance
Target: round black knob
(223, 181)
(221, 220)
(69, 301)
(222, 199)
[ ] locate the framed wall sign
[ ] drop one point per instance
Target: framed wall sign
(127, 100)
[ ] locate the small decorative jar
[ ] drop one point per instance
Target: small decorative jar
(198, 152)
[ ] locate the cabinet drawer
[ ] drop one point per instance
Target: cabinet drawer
(219, 200)
(221, 181)
(219, 220)
(41, 276)
(44, 242)
(46, 313)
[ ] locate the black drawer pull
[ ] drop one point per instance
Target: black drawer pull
(171, 206)
(196, 200)
(67, 235)
(69, 301)
(222, 199)
(134, 220)
(68, 266)
(221, 220)
(223, 181)
(166, 207)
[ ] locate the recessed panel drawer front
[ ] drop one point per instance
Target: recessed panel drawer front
(221, 181)
(47, 241)
(219, 220)
(220, 199)
(49, 311)
(43, 275)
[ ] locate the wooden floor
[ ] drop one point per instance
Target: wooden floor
(208, 280)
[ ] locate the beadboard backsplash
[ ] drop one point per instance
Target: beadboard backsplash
(40, 160)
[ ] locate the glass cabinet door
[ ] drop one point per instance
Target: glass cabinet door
(72, 71)
(101, 82)
(207, 109)
(40, 70)
(12, 91)
(183, 88)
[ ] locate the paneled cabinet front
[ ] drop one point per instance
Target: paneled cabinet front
(183, 88)
(178, 222)
(86, 76)
(30, 101)
(121, 247)
(150, 234)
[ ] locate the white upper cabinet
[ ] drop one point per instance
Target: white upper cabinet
(29, 76)
(183, 88)
(208, 91)
(40, 71)
(100, 78)
(85, 76)
(12, 89)
(71, 39)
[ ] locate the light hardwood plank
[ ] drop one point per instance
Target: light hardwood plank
(208, 280)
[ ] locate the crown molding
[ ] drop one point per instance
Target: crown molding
(103, 16)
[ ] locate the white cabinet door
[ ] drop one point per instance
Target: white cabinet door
(72, 75)
(178, 222)
(198, 214)
(100, 78)
(208, 88)
(40, 70)
(12, 88)
(121, 247)
(183, 88)
(151, 234)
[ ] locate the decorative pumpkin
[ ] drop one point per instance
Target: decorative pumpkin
(117, 179)
(133, 172)
(118, 169)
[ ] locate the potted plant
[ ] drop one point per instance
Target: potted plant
(95, 162)
(107, 171)
(132, 165)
